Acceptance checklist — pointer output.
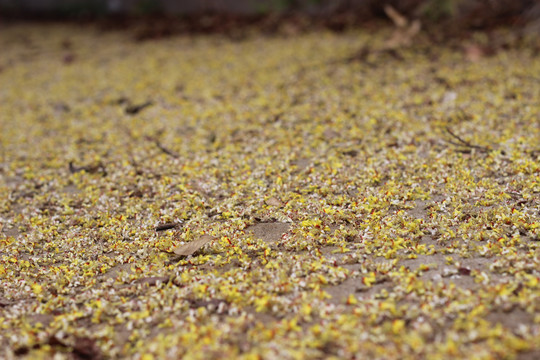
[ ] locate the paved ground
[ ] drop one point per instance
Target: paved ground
(314, 196)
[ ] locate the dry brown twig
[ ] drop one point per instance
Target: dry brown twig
(466, 143)
(405, 30)
(163, 148)
(403, 35)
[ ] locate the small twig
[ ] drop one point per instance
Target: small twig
(465, 142)
(135, 109)
(4, 162)
(163, 148)
(91, 169)
(166, 151)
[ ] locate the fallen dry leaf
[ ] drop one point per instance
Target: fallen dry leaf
(273, 201)
(68, 58)
(474, 52)
(82, 348)
(166, 226)
(191, 247)
(86, 348)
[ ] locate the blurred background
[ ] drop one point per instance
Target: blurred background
(153, 19)
(476, 13)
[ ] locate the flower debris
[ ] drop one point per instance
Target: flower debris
(387, 207)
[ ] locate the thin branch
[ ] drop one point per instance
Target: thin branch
(91, 169)
(135, 109)
(465, 142)
(163, 148)
(4, 162)
(166, 151)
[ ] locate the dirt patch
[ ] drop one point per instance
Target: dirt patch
(11, 231)
(270, 232)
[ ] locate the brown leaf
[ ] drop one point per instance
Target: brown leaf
(68, 58)
(21, 351)
(83, 347)
(86, 348)
(166, 226)
(273, 201)
(351, 153)
(474, 52)
(192, 247)
(330, 134)
(66, 44)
